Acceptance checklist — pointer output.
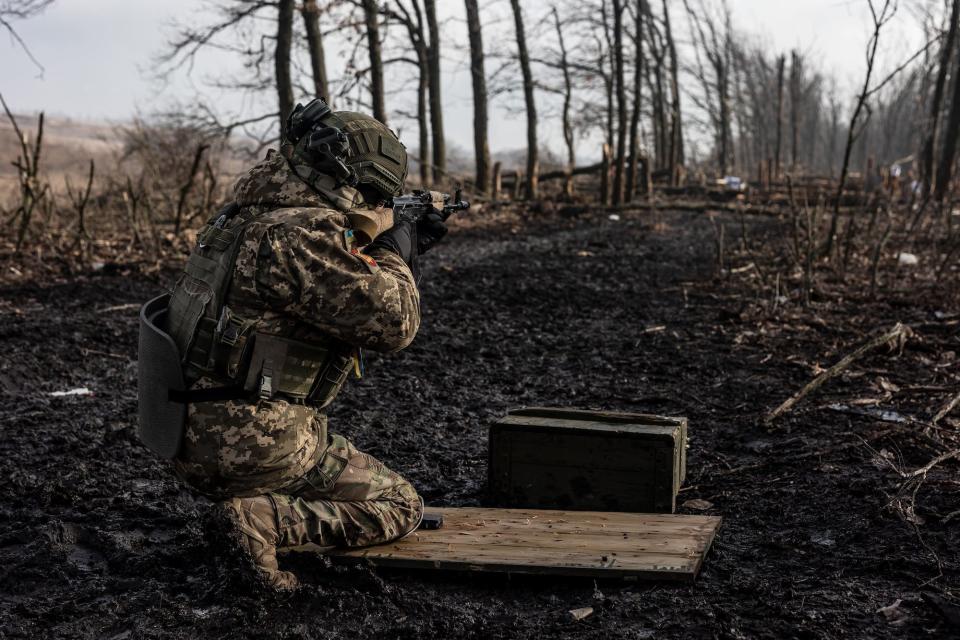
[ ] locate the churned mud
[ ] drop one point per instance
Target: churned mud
(99, 540)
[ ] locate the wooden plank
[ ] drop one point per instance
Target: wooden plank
(572, 518)
(575, 543)
(636, 544)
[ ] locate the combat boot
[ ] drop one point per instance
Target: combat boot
(252, 525)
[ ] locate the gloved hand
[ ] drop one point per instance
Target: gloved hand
(430, 230)
(401, 239)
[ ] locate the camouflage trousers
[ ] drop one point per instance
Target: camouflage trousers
(348, 499)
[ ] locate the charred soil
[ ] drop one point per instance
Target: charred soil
(99, 540)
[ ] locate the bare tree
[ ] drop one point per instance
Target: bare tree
(676, 120)
(32, 190)
(282, 58)
(655, 83)
(371, 16)
(13, 10)
(880, 19)
(618, 10)
(951, 131)
(937, 174)
(638, 70)
(233, 29)
(80, 199)
(318, 66)
(834, 130)
(478, 76)
(928, 155)
(170, 151)
(567, 99)
(533, 164)
(436, 104)
(713, 39)
(796, 78)
(778, 147)
(412, 18)
(187, 186)
(606, 56)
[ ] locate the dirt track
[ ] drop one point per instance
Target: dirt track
(98, 540)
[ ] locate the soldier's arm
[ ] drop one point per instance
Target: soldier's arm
(314, 273)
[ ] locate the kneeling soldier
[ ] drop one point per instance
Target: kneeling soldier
(270, 316)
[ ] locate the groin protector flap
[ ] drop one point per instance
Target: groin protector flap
(161, 421)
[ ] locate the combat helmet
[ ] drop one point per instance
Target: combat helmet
(353, 148)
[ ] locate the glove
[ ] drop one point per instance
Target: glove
(430, 231)
(400, 239)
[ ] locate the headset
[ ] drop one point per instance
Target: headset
(323, 142)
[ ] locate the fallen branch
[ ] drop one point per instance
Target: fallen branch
(949, 406)
(930, 465)
(898, 334)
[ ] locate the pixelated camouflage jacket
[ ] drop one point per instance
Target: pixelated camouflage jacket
(299, 276)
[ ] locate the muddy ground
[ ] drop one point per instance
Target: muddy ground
(99, 540)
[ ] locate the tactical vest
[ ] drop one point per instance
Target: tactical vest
(215, 342)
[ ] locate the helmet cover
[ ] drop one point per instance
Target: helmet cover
(354, 148)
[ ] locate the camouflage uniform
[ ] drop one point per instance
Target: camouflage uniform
(299, 275)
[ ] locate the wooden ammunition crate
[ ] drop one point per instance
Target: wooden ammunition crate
(543, 458)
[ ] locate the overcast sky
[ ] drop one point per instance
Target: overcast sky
(97, 55)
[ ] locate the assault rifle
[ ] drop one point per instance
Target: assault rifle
(413, 206)
(410, 207)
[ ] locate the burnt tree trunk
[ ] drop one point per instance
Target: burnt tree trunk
(676, 126)
(605, 175)
(608, 89)
(567, 99)
(723, 90)
(781, 63)
(609, 81)
(949, 154)
(423, 118)
(796, 76)
(412, 19)
(281, 60)
(618, 176)
(436, 104)
(318, 65)
(532, 154)
(635, 113)
(661, 132)
(415, 30)
(480, 142)
(372, 20)
(928, 155)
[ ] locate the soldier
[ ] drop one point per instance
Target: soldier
(270, 316)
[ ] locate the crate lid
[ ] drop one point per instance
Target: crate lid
(613, 417)
(637, 425)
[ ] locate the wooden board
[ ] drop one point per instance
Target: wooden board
(576, 543)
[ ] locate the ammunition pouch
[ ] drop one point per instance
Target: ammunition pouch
(162, 420)
(296, 371)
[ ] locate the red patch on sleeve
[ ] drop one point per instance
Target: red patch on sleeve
(368, 259)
